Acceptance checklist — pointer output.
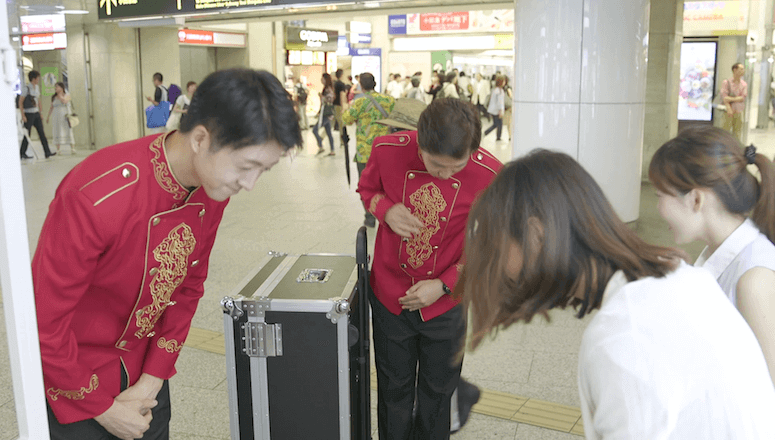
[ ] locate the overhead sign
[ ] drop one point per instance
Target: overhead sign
(360, 38)
(211, 38)
(311, 39)
(715, 18)
(500, 20)
(50, 41)
(121, 9)
(43, 23)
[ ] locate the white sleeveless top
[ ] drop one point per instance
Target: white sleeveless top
(743, 250)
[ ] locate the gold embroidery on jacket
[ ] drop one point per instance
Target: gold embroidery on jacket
(94, 382)
(162, 172)
(374, 202)
(171, 346)
(428, 203)
(172, 254)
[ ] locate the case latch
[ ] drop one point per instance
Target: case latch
(262, 340)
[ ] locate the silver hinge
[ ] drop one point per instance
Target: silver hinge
(262, 340)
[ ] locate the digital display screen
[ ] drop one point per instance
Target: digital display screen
(697, 81)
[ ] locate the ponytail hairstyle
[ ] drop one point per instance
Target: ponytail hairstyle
(709, 157)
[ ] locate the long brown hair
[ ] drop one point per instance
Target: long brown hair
(709, 157)
(581, 245)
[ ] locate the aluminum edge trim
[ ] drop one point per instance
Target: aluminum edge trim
(253, 272)
(295, 305)
(260, 391)
(344, 378)
(274, 279)
(348, 288)
(231, 376)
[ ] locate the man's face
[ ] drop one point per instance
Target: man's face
(739, 72)
(35, 81)
(156, 82)
(442, 167)
(191, 89)
(225, 172)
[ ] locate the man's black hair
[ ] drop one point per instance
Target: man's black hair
(244, 107)
(33, 74)
(449, 127)
(367, 81)
(736, 65)
(158, 76)
(339, 73)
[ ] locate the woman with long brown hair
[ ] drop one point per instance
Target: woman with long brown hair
(326, 114)
(706, 193)
(667, 356)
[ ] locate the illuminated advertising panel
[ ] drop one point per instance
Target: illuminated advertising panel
(697, 83)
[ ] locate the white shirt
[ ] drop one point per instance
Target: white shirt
(743, 250)
(671, 358)
(394, 89)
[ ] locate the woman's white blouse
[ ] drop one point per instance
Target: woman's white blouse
(671, 358)
(743, 250)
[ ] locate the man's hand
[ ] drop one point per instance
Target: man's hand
(124, 419)
(149, 98)
(402, 222)
(422, 294)
(146, 388)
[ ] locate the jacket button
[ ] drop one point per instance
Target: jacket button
(156, 221)
(479, 156)
(401, 139)
(194, 263)
(126, 173)
(403, 266)
(411, 175)
(202, 213)
(435, 247)
(455, 185)
(122, 344)
(151, 334)
(430, 272)
(443, 219)
(154, 271)
(404, 239)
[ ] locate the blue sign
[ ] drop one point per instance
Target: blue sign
(370, 52)
(342, 46)
(360, 38)
(397, 24)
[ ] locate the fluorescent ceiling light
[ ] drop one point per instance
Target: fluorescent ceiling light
(75, 11)
(371, 5)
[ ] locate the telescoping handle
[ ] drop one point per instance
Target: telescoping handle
(362, 410)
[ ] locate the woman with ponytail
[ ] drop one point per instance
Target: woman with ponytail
(707, 193)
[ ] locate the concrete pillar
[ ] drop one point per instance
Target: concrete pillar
(663, 78)
(260, 45)
(580, 84)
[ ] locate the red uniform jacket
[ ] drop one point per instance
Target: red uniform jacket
(395, 174)
(118, 272)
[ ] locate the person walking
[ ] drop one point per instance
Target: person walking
(449, 89)
(340, 99)
(301, 93)
(497, 107)
(482, 94)
(62, 133)
(325, 114)
(29, 104)
(416, 92)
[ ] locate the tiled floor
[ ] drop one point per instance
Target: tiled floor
(305, 205)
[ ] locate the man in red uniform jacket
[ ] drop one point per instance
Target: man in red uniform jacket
(123, 254)
(420, 186)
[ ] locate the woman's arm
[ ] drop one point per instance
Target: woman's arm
(756, 302)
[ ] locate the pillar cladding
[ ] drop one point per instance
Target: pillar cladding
(580, 86)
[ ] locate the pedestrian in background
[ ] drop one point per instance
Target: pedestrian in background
(62, 133)
(29, 104)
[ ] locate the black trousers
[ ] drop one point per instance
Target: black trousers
(34, 119)
(361, 167)
(91, 430)
(416, 358)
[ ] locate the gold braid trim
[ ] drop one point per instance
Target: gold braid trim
(162, 173)
(75, 395)
(428, 203)
(170, 346)
(374, 202)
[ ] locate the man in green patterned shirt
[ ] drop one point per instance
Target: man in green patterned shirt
(365, 111)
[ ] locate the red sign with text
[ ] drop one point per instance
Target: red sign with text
(38, 40)
(445, 21)
(190, 36)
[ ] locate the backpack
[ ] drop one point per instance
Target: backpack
(301, 94)
(173, 92)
